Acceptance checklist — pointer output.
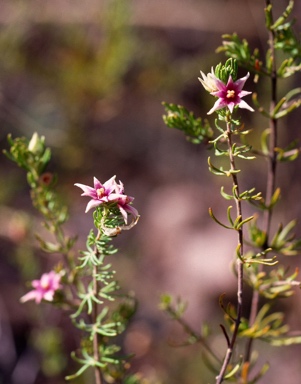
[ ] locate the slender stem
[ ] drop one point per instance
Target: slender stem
(187, 328)
(97, 371)
(272, 159)
(271, 177)
(239, 264)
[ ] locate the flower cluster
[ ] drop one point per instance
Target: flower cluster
(44, 288)
(229, 95)
(109, 192)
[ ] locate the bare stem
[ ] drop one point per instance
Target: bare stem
(188, 329)
(271, 177)
(239, 265)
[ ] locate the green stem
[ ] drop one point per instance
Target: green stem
(271, 177)
(97, 370)
(239, 264)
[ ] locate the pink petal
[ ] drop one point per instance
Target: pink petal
(92, 204)
(243, 104)
(244, 93)
(231, 106)
(241, 82)
(97, 184)
(32, 295)
(110, 185)
(88, 191)
(220, 84)
(48, 295)
(132, 210)
(124, 213)
(219, 104)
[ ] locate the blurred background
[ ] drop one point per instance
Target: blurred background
(91, 76)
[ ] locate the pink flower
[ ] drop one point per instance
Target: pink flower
(45, 288)
(101, 193)
(123, 203)
(108, 193)
(230, 94)
(125, 207)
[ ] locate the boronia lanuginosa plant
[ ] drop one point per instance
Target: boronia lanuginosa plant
(84, 284)
(259, 250)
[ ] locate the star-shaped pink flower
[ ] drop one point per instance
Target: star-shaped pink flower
(108, 193)
(101, 193)
(230, 94)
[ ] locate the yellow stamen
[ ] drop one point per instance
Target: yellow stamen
(100, 192)
(230, 94)
(45, 284)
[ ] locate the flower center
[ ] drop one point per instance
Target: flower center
(100, 192)
(45, 285)
(230, 94)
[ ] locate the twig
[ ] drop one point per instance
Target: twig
(271, 176)
(187, 328)
(97, 371)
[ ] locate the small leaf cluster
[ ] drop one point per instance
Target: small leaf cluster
(276, 283)
(284, 40)
(283, 242)
(269, 327)
(101, 313)
(224, 71)
(33, 156)
(97, 298)
(239, 50)
(195, 129)
(240, 150)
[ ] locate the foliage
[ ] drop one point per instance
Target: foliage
(83, 284)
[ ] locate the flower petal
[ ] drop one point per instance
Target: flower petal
(241, 82)
(243, 104)
(219, 104)
(31, 295)
(93, 204)
(97, 184)
(110, 184)
(88, 191)
(124, 213)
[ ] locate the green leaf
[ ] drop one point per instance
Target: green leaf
(256, 235)
(217, 221)
(283, 17)
(240, 223)
(268, 16)
(226, 195)
(215, 170)
(232, 372)
(284, 341)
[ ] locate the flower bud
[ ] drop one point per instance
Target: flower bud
(36, 144)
